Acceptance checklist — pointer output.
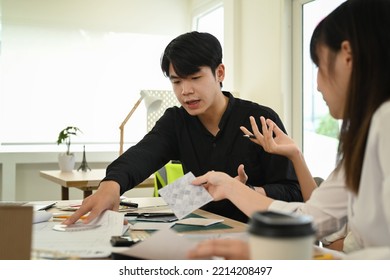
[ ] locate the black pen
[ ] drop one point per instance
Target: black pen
(249, 136)
(128, 204)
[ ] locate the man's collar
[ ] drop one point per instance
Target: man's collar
(228, 110)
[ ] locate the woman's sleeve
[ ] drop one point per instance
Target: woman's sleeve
(327, 205)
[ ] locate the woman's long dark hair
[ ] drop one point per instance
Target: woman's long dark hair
(365, 25)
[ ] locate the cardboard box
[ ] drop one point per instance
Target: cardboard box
(15, 232)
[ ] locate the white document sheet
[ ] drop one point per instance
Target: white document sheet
(41, 216)
(164, 244)
(92, 243)
(183, 197)
(150, 226)
(199, 222)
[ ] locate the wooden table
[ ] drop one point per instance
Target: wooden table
(85, 181)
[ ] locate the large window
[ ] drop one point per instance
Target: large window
(320, 130)
(211, 20)
(84, 67)
(213, 16)
(89, 79)
(57, 72)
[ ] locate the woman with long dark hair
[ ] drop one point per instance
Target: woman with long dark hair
(351, 49)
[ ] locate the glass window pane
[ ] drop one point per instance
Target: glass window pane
(212, 22)
(320, 129)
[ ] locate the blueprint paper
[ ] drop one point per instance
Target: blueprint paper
(183, 197)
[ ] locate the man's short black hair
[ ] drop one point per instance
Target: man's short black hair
(190, 51)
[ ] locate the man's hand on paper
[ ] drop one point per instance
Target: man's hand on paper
(107, 197)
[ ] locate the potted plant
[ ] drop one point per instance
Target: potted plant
(67, 160)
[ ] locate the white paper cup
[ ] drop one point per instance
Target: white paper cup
(277, 236)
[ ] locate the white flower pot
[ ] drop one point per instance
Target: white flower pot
(66, 162)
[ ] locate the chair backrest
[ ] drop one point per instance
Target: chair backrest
(166, 175)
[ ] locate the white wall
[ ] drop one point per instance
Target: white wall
(256, 57)
(262, 62)
(143, 16)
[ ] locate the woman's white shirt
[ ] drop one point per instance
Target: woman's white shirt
(327, 205)
(369, 211)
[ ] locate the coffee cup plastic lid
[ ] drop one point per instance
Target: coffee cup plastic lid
(280, 225)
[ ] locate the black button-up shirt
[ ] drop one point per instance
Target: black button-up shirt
(180, 136)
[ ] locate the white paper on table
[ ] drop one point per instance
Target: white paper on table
(150, 226)
(164, 244)
(183, 197)
(41, 216)
(93, 243)
(199, 222)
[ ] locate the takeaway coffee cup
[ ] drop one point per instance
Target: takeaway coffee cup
(277, 236)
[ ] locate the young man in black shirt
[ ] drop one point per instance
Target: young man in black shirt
(204, 134)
